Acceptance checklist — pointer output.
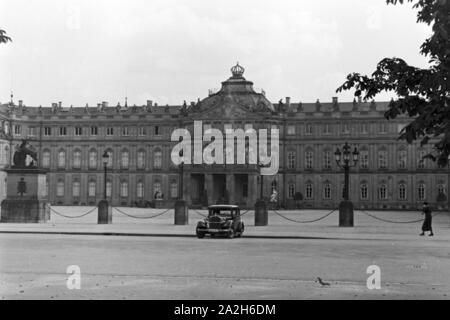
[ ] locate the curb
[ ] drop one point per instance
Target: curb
(165, 235)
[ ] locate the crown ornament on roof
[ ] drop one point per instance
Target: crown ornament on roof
(237, 71)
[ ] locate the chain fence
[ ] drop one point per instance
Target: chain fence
(70, 217)
(304, 221)
(393, 221)
(142, 217)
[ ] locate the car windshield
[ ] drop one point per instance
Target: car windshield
(223, 212)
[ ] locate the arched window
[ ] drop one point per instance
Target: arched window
(402, 191)
(92, 188)
(421, 161)
(77, 159)
(174, 190)
(402, 157)
(7, 155)
(327, 191)
(61, 159)
(110, 154)
(309, 158)
(273, 186)
(441, 188)
(140, 190)
(93, 159)
(75, 189)
(291, 190)
(60, 188)
(382, 159)
(364, 191)
(157, 159)
(124, 189)
(421, 191)
(309, 190)
(382, 192)
(108, 188)
(125, 159)
(141, 159)
(46, 159)
(364, 159)
(157, 193)
(327, 159)
(291, 160)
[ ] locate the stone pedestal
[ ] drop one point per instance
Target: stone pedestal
(346, 214)
(159, 203)
(181, 216)
(104, 212)
(261, 214)
(26, 200)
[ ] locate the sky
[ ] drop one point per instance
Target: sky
(85, 51)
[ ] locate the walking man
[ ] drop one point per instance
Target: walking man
(426, 226)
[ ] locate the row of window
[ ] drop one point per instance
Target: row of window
(363, 191)
(328, 158)
(92, 130)
(345, 128)
(309, 129)
(123, 189)
(93, 159)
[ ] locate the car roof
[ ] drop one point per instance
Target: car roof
(223, 206)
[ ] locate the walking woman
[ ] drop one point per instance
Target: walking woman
(426, 226)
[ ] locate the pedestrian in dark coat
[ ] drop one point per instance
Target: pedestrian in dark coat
(426, 226)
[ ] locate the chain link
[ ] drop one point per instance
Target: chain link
(70, 217)
(138, 217)
(392, 221)
(306, 221)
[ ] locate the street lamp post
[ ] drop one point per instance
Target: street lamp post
(343, 160)
(105, 158)
(261, 178)
(104, 210)
(181, 210)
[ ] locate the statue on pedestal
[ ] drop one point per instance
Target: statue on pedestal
(21, 154)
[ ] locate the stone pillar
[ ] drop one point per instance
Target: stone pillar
(253, 191)
(209, 187)
(181, 214)
(26, 200)
(346, 214)
(186, 187)
(104, 212)
(261, 214)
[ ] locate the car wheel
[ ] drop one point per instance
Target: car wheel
(200, 235)
(231, 234)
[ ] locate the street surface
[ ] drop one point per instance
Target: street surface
(33, 266)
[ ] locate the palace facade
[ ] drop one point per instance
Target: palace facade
(70, 142)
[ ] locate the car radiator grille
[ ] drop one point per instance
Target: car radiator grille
(215, 223)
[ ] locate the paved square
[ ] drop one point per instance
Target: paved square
(157, 260)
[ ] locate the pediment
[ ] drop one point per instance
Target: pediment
(229, 110)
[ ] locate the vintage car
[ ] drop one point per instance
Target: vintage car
(222, 220)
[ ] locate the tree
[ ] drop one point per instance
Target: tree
(3, 37)
(422, 94)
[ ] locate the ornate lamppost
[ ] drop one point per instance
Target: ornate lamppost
(181, 213)
(104, 210)
(105, 158)
(343, 160)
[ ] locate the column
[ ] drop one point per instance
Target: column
(230, 187)
(209, 187)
